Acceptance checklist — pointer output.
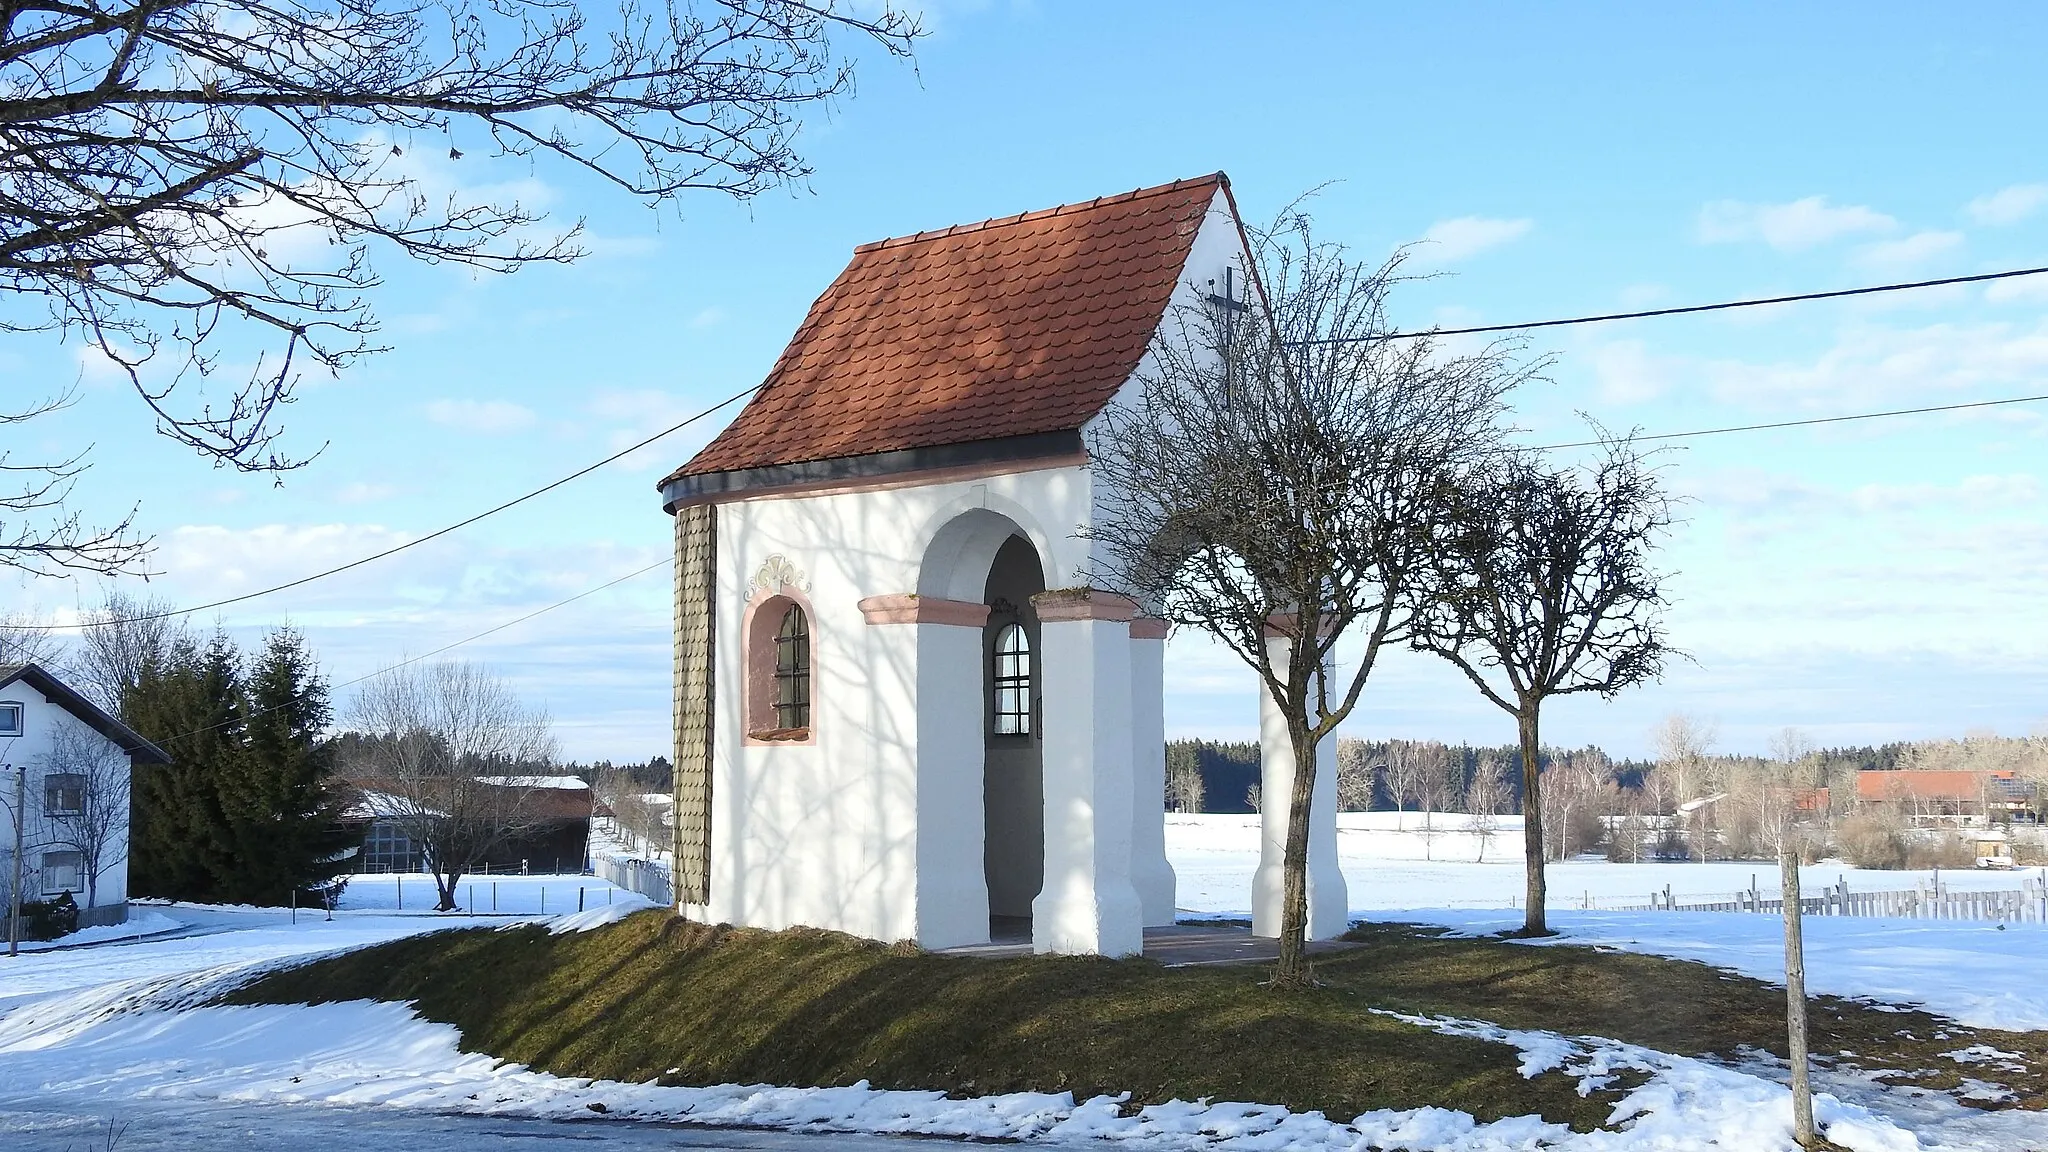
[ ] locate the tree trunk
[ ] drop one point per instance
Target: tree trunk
(1293, 970)
(1532, 823)
(445, 885)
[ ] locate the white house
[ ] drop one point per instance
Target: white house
(901, 710)
(68, 765)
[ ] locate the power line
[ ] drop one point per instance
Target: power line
(1478, 330)
(1814, 420)
(615, 581)
(1683, 310)
(393, 551)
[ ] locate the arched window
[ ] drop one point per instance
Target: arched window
(1013, 681)
(793, 670)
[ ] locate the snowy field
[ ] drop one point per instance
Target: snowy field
(1389, 862)
(1976, 972)
(111, 1029)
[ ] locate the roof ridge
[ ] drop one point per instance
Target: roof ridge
(1218, 178)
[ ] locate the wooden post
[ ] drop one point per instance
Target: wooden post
(1795, 998)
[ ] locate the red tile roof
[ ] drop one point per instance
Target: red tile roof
(1922, 784)
(1018, 325)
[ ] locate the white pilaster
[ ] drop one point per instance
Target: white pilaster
(1329, 912)
(1151, 874)
(924, 660)
(1088, 904)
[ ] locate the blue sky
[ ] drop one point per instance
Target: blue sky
(1863, 582)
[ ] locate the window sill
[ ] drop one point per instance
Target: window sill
(781, 736)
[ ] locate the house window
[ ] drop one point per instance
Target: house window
(10, 719)
(793, 670)
(64, 794)
(388, 849)
(1013, 681)
(63, 872)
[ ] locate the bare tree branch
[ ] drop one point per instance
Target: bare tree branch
(180, 177)
(1275, 479)
(1542, 586)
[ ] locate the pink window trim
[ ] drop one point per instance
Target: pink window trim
(763, 616)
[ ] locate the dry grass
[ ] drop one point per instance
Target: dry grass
(653, 997)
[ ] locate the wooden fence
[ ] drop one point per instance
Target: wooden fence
(2025, 904)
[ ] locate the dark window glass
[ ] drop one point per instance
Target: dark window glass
(793, 670)
(63, 794)
(1013, 681)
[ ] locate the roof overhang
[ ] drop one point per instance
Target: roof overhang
(139, 749)
(911, 465)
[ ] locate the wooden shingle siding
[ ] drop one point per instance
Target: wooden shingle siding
(696, 587)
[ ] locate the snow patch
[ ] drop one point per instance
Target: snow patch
(623, 904)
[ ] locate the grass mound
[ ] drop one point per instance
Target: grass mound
(656, 998)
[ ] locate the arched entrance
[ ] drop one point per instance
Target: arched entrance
(1012, 790)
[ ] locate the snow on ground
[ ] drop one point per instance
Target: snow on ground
(371, 1054)
(1389, 862)
(1975, 973)
(483, 895)
(145, 922)
(116, 1021)
(1972, 971)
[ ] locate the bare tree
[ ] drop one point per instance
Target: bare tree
(1439, 788)
(1272, 479)
(1356, 775)
(1682, 742)
(432, 732)
(123, 637)
(25, 638)
(1487, 795)
(86, 780)
(1404, 766)
(1545, 589)
(183, 178)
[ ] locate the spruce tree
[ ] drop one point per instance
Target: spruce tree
(190, 702)
(284, 812)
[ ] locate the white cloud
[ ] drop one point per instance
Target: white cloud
(1467, 236)
(1871, 367)
(1789, 227)
(708, 318)
(1627, 372)
(2008, 205)
(487, 417)
(2019, 290)
(1909, 252)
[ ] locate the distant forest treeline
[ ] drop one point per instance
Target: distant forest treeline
(1222, 775)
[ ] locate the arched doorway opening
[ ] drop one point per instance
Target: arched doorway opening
(1012, 790)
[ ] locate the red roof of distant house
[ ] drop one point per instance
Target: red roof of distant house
(1018, 325)
(1908, 784)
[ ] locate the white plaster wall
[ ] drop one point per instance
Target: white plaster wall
(1219, 243)
(39, 720)
(829, 835)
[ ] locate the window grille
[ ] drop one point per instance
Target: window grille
(793, 670)
(1013, 681)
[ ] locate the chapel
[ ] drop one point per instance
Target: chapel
(901, 709)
